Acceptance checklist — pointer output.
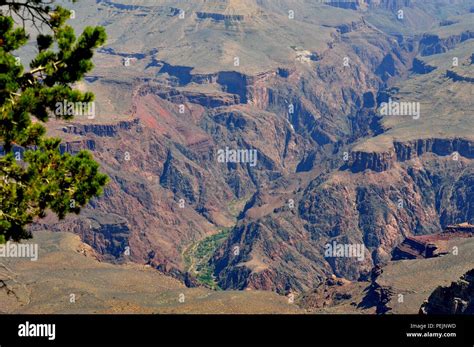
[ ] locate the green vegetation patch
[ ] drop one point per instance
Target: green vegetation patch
(197, 257)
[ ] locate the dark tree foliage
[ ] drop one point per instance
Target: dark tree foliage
(34, 176)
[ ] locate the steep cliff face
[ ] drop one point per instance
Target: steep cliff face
(109, 130)
(456, 77)
(458, 298)
(219, 16)
(441, 147)
(432, 44)
(375, 161)
(374, 209)
(391, 5)
(382, 161)
(76, 146)
(421, 67)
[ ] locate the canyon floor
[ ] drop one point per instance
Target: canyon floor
(67, 266)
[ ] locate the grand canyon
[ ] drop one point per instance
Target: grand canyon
(267, 156)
